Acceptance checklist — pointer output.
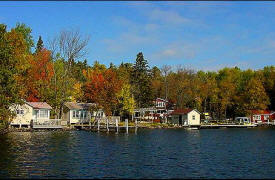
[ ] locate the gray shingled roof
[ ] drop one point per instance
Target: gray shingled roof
(72, 105)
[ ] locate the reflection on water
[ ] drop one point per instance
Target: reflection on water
(171, 153)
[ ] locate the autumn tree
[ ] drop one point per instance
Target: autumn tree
(126, 101)
(70, 44)
(267, 75)
(255, 96)
(23, 29)
(66, 47)
(40, 75)
(102, 89)
(157, 83)
(9, 90)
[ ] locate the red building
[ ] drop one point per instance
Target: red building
(262, 116)
(163, 107)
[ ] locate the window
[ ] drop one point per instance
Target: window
(83, 114)
(75, 114)
(19, 111)
(43, 113)
(193, 117)
(257, 117)
(266, 117)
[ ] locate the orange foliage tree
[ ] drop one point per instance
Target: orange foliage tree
(101, 88)
(39, 75)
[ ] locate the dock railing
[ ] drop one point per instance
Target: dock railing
(49, 123)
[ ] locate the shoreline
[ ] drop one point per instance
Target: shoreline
(8, 130)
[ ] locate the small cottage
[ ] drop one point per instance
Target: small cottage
(38, 112)
(80, 112)
(186, 117)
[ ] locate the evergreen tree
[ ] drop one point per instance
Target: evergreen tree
(39, 45)
(141, 82)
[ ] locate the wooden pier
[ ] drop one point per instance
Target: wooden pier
(108, 127)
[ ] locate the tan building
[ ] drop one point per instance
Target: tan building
(38, 112)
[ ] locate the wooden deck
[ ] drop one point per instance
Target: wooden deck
(48, 124)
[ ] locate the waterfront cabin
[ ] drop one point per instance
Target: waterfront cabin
(76, 113)
(185, 117)
(262, 116)
(36, 112)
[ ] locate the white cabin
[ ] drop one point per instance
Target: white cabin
(75, 113)
(38, 112)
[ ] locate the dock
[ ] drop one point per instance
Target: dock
(107, 127)
(207, 126)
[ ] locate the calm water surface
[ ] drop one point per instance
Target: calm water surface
(170, 153)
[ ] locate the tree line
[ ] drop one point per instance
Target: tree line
(59, 73)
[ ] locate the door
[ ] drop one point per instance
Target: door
(180, 120)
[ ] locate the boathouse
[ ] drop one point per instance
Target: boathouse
(36, 112)
(76, 113)
(185, 117)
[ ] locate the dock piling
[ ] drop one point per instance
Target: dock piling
(107, 124)
(136, 126)
(98, 125)
(126, 122)
(116, 125)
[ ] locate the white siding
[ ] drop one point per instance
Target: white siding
(190, 118)
(23, 119)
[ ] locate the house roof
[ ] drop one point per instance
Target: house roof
(39, 105)
(160, 99)
(73, 105)
(262, 112)
(181, 111)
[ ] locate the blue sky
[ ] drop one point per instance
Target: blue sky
(198, 35)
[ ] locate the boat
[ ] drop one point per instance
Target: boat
(193, 128)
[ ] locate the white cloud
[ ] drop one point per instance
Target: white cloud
(170, 17)
(175, 51)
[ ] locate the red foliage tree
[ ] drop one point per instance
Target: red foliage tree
(40, 74)
(102, 88)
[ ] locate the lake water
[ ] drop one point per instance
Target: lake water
(158, 153)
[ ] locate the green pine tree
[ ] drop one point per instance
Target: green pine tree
(141, 82)
(39, 45)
